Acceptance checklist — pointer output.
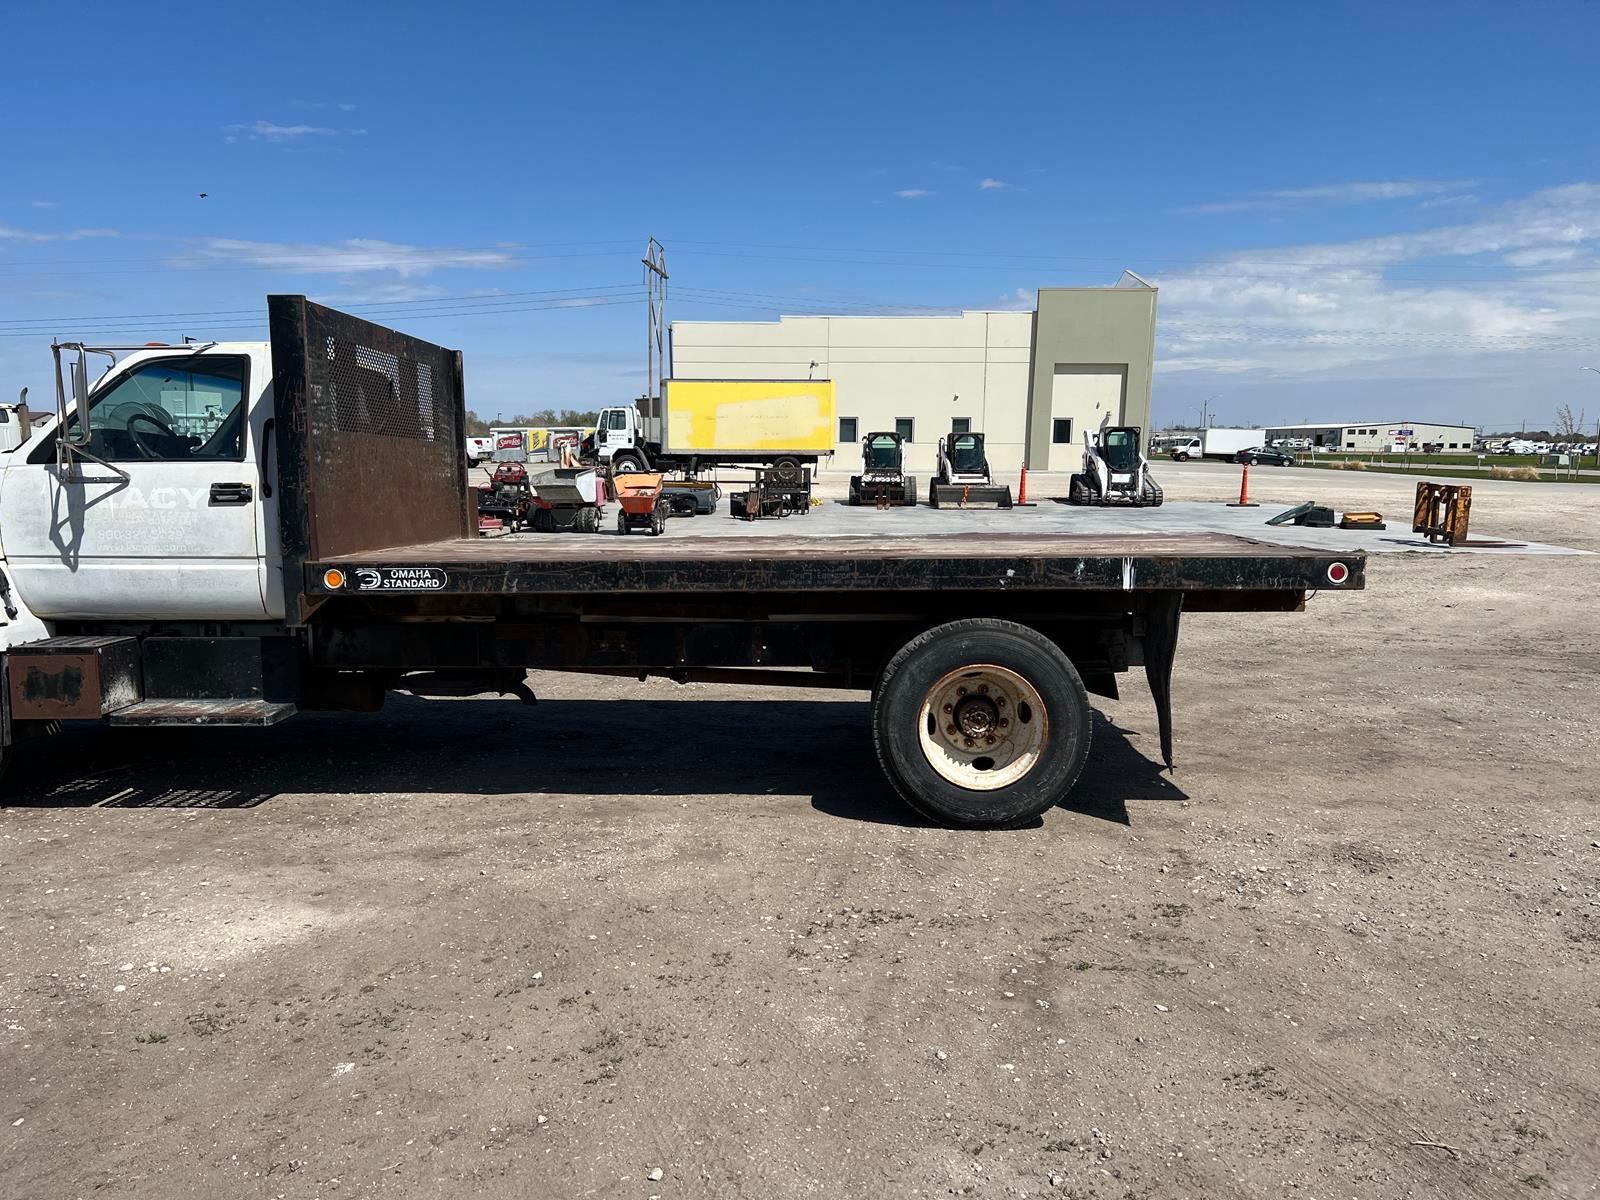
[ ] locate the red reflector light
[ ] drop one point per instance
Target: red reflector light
(1338, 572)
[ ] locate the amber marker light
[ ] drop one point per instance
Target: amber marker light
(333, 579)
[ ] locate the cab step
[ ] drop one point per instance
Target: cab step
(204, 712)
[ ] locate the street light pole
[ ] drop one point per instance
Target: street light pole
(1596, 370)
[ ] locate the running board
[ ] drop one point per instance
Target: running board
(203, 712)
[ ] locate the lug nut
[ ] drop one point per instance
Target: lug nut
(1000, 700)
(949, 708)
(983, 689)
(1004, 721)
(969, 742)
(989, 741)
(951, 730)
(961, 691)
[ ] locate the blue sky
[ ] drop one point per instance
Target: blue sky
(1351, 210)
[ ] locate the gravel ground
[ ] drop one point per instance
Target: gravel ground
(647, 940)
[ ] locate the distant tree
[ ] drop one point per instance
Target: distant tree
(1569, 428)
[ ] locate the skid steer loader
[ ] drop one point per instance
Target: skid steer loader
(1115, 470)
(883, 481)
(964, 479)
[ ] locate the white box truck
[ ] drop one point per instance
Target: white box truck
(1218, 443)
(783, 423)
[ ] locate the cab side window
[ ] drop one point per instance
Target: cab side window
(172, 410)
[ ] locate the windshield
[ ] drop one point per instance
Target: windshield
(1121, 449)
(966, 452)
(883, 452)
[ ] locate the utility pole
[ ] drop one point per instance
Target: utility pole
(655, 283)
(1596, 370)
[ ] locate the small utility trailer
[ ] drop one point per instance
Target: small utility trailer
(978, 652)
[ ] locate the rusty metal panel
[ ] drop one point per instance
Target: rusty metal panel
(73, 678)
(371, 424)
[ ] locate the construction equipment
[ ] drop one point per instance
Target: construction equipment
(1115, 470)
(1442, 511)
(641, 503)
(964, 479)
(506, 497)
(883, 481)
(565, 499)
(773, 493)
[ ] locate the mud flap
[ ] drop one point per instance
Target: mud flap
(1160, 648)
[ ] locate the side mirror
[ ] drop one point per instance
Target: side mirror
(80, 398)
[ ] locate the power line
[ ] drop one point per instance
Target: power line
(365, 306)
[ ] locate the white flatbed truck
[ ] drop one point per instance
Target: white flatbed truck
(228, 533)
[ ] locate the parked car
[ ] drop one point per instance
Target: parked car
(1261, 454)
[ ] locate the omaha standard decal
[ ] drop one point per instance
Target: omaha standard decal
(400, 579)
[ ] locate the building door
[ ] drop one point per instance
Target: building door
(1083, 394)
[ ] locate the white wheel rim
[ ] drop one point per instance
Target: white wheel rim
(982, 727)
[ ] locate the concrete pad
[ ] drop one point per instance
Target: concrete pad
(834, 518)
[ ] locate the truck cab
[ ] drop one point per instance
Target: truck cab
(620, 440)
(161, 505)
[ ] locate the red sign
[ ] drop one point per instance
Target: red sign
(508, 441)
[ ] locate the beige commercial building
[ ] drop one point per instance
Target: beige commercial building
(1031, 382)
(1381, 437)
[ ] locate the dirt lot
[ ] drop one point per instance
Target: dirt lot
(1350, 949)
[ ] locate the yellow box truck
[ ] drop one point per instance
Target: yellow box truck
(722, 422)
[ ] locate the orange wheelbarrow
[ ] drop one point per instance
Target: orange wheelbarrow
(641, 502)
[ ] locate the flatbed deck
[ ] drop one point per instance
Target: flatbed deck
(1005, 562)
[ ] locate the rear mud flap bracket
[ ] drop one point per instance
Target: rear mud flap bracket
(1160, 649)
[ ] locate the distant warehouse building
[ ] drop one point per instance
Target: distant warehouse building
(1031, 382)
(1379, 437)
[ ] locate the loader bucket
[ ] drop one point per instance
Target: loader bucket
(969, 495)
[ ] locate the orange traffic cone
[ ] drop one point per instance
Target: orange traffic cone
(1022, 488)
(1244, 500)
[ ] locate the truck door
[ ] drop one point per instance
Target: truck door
(173, 525)
(613, 432)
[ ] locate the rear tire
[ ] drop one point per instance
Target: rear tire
(1078, 490)
(994, 670)
(855, 491)
(622, 523)
(910, 498)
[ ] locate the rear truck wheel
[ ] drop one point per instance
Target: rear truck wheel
(622, 523)
(981, 724)
(1180, 457)
(910, 499)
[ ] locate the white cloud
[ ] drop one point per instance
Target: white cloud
(1430, 303)
(912, 193)
(10, 233)
(1366, 192)
(353, 256)
(1018, 300)
(44, 203)
(271, 131)
(992, 185)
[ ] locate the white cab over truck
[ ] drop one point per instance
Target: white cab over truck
(228, 533)
(1218, 443)
(782, 423)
